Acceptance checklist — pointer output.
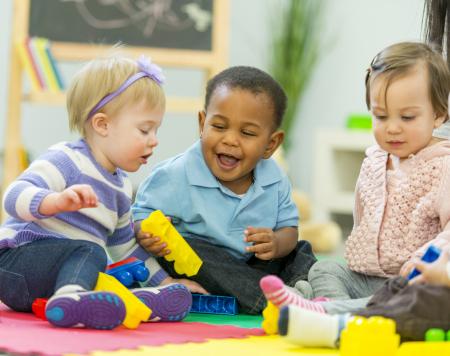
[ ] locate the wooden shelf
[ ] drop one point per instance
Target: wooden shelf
(174, 104)
(338, 157)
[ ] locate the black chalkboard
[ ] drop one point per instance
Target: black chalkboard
(175, 24)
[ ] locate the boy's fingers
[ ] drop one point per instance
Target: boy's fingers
(162, 253)
(260, 248)
(254, 230)
(263, 256)
(200, 290)
(258, 238)
(146, 242)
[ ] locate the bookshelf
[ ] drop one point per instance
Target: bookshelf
(338, 158)
(209, 61)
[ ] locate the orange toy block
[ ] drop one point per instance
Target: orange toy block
(186, 260)
(369, 337)
(136, 310)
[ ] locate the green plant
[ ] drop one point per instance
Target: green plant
(294, 51)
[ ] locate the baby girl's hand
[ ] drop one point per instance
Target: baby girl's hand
(407, 267)
(152, 244)
(264, 242)
(193, 286)
(74, 198)
(434, 273)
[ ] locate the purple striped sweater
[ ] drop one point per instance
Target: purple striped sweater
(108, 224)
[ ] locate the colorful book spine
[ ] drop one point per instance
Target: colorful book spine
(55, 69)
(49, 75)
(32, 50)
(27, 63)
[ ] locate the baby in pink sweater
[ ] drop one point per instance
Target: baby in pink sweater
(402, 194)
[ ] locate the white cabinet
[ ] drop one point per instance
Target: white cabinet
(338, 158)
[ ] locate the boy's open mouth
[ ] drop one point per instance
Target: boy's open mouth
(227, 161)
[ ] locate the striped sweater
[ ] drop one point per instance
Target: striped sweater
(108, 224)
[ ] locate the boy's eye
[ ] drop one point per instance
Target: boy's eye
(248, 133)
(218, 126)
(408, 118)
(380, 117)
(145, 132)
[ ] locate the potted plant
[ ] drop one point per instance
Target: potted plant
(294, 50)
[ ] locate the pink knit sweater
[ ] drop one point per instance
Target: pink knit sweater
(399, 212)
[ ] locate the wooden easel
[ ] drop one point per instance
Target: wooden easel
(210, 62)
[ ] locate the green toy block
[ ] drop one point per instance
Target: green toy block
(359, 122)
(435, 335)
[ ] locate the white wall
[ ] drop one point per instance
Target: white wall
(354, 31)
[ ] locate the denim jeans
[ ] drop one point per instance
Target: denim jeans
(415, 308)
(38, 269)
(224, 274)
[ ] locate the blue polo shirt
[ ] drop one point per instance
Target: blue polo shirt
(184, 188)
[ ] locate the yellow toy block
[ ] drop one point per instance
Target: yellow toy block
(424, 348)
(270, 316)
(369, 337)
(186, 260)
(136, 310)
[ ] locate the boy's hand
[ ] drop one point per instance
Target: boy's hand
(152, 243)
(434, 273)
(193, 286)
(265, 246)
(74, 198)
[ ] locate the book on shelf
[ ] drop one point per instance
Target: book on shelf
(29, 66)
(32, 51)
(40, 65)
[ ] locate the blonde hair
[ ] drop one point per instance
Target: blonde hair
(399, 59)
(103, 76)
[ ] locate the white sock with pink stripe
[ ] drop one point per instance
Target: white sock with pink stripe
(275, 291)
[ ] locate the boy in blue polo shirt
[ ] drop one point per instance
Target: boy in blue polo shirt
(227, 197)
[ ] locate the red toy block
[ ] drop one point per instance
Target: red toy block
(38, 308)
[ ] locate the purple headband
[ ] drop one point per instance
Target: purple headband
(147, 69)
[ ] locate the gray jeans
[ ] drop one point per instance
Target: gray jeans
(349, 291)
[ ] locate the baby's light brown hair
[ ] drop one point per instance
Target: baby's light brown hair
(399, 59)
(103, 76)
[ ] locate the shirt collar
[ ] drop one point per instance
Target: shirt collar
(266, 171)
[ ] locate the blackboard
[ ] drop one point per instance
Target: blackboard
(171, 24)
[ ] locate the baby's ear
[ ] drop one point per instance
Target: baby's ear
(276, 139)
(201, 121)
(100, 123)
(439, 120)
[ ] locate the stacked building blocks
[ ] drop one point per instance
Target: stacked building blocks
(431, 255)
(419, 348)
(436, 335)
(38, 308)
(369, 337)
(136, 310)
(270, 319)
(128, 271)
(214, 304)
(186, 261)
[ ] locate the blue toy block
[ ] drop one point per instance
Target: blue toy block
(129, 271)
(214, 304)
(431, 255)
